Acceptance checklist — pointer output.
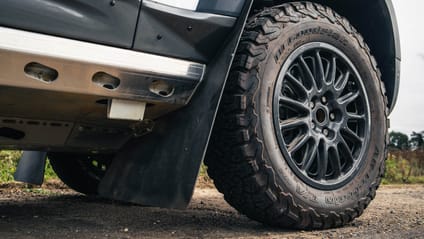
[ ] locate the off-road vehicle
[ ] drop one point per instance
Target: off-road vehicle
(287, 102)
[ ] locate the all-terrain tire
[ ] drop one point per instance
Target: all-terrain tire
(248, 157)
(80, 172)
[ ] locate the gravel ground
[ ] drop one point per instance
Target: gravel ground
(56, 212)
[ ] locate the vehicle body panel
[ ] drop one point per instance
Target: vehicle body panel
(181, 33)
(89, 20)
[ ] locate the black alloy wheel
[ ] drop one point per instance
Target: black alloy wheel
(321, 115)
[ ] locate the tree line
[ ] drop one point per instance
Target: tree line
(401, 141)
(406, 158)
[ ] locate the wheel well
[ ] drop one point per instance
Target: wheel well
(375, 23)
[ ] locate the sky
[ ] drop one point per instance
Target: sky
(408, 114)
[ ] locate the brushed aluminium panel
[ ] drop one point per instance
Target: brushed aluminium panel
(78, 61)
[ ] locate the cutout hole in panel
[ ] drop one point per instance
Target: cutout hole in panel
(11, 133)
(54, 124)
(106, 81)
(41, 72)
(9, 121)
(161, 88)
(33, 123)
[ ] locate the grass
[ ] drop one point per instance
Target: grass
(404, 168)
(204, 180)
(8, 162)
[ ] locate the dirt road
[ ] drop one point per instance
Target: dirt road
(52, 212)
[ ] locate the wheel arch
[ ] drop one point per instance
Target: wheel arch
(378, 25)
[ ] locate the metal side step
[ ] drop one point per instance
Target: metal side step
(44, 62)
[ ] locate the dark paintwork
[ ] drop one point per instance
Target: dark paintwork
(160, 169)
(224, 7)
(90, 20)
(181, 33)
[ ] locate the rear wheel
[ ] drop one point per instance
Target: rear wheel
(300, 139)
(80, 172)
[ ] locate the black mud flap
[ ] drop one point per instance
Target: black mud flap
(160, 169)
(31, 167)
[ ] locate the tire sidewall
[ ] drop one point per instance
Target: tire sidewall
(347, 196)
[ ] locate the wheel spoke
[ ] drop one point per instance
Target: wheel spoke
(321, 73)
(332, 77)
(308, 72)
(322, 160)
(327, 73)
(296, 83)
(356, 117)
(293, 123)
(346, 152)
(298, 143)
(351, 136)
(348, 98)
(293, 104)
(342, 82)
(309, 157)
(335, 162)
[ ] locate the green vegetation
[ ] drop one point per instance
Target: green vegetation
(8, 162)
(406, 159)
(404, 167)
(204, 178)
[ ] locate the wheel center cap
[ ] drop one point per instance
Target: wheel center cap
(321, 116)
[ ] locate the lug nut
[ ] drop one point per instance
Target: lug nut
(312, 105)
(332, 116)
(313, 125)
(324, 100)
(325, 132)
